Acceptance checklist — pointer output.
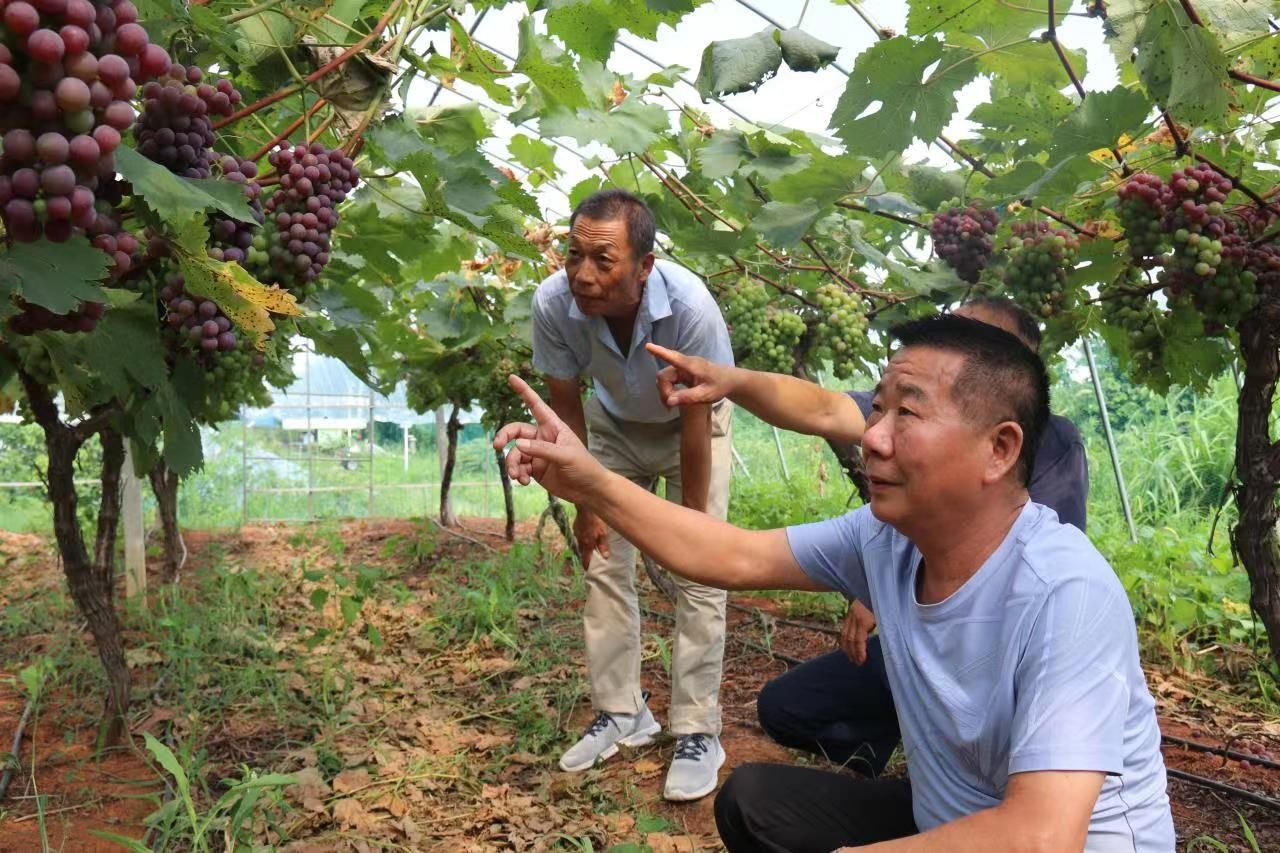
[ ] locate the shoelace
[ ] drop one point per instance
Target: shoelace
(691, 747)
(599, 724)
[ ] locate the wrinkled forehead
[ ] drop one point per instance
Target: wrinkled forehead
(600, 232)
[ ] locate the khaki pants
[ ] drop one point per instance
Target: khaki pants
(643, 452)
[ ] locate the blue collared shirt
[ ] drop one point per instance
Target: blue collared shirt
(677, 312)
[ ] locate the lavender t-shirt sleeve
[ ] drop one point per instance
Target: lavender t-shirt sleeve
(831, 553)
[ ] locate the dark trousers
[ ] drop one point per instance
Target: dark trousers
(835, 708)
(780, 808)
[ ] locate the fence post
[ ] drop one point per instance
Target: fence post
(244, 467)
(371, 450)
(135, 546)
(442, 451)
(1111, 441)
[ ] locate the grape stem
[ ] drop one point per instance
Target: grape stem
(1052, 36)
(862, 208)
(251, 11)
(288, 131)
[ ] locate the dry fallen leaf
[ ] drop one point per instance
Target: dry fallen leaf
(350, 814)
(351, 780)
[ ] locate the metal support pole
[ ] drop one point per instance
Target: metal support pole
(405, 429)
(244, 467)
(311, 449)
(777, 442)
(1111, 441)
(135, 545)
(371, 449)
(737, 457)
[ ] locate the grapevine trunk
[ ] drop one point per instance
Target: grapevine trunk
(447, 517)
(164, 484)
(508, 499)
(1255, 537)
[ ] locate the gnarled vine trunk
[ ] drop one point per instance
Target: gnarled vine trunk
(90, 576)
(447, 516)
(164, 484)
(508, 499)
(1255, 538)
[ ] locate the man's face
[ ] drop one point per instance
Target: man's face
(605, 276)
(924, 458)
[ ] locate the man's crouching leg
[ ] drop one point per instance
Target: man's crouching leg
(771, 808)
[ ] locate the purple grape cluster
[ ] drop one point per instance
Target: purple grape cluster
(199, 319)
(963, 238)
(68, 70)
(175, 128)
(303, 211)
(230, 239)
(1144, 202)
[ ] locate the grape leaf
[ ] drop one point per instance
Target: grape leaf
(722, 153)
(738, 65)
(1099, 122)
(1032, 63)
(804, 52)
(892, 75)
(455, 128)
(1031, 116)
(176, 199)
(783, 224)
(534, 154)
(548, 67)
(590, 27)
(629, 128)
(993, 23)
(934, 187)
(57, 276)
(826, 179)
(247, 302)
(1183, 67)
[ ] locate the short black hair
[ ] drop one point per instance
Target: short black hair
(611, 205)
(1002, 380)
(1028, 328)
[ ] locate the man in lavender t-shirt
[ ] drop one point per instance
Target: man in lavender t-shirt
(1009, 642)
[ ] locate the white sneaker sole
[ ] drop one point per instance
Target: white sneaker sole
(690, 796)
(644, 737)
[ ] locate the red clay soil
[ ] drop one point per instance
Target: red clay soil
(115, 791)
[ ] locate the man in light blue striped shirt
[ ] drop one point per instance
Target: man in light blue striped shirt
(594, 318)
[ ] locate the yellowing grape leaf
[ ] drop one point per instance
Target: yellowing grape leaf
(247, 302)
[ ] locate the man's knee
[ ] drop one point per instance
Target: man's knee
(773, 711)
(740, 797)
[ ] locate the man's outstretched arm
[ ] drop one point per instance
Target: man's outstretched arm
(784, 401)
(704, 549)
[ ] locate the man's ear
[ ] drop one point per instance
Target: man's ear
(646, 265)
(1006, 447)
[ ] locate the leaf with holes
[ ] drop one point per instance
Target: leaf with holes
(1183, 67)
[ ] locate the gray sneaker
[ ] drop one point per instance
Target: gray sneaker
(600, 741)
(693, 772)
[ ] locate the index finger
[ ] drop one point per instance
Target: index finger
(670, 356)
(541, 411)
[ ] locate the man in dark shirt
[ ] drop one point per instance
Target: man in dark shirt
(839, 704)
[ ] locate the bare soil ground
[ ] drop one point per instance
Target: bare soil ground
(452, 745)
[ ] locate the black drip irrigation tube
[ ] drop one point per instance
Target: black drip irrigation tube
(1204, 782)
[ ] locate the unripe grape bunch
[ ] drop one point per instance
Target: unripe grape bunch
(841, 329)
(963, 237)
(765, 335)
(1144, 202)
(1040, 258)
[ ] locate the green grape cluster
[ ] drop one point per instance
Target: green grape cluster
(1039, 260)
(765, 336)
(494, 395)
(841, 329)
(241, 377)
(1129, 307)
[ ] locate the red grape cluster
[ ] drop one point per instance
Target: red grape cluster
(1039, 260)
(175, 128)
(1144, 201)
(232, 240)
(1208, 255)
(68, 70)
(200, 319)
(963, 238)
(303, 211)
